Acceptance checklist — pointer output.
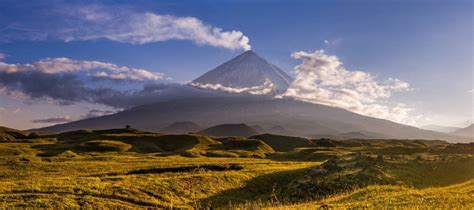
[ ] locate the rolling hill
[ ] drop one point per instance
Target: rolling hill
(8, 134)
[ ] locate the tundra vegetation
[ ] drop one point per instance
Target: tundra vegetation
(131, 168)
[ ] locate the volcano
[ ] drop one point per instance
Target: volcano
(203, 103)
(248, 71)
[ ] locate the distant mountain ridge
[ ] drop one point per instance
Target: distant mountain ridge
(439, 128)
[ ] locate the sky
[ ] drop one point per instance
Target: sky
(406, 61)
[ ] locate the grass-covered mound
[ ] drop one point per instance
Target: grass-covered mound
(103, 146)
(311, 154)
(147, 143)
(349, 173)
(235, 147)
(67, 154)
(247, 144)
(283, 143)
(189, 145)
(9, 134)
(132, 140)
(194, 145)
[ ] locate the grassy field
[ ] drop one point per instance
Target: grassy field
(459, 196)
(112, 180)
(131, 168)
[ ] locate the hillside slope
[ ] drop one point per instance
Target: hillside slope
(181, 127)
(458, 196)
(467, 131)
(8, 134)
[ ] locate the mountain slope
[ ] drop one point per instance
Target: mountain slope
(467, 131)
(181, 127)
(245, 71)
(299, 118)
(230, 130)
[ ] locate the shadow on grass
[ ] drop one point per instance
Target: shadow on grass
(264, 188)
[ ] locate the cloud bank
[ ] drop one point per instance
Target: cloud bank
(123, 24)
(95, 69)
(66, 81)
(323, 79)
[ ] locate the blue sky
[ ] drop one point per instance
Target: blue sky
(427, 44)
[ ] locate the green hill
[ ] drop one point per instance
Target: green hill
(283, 143)
(9, 134)
(132, 140)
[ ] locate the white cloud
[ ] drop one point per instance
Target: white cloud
(123, 24)
(92, 68)
(142, 28)
(471, 91)
(2, 56)
(322, 79)
(264, 89)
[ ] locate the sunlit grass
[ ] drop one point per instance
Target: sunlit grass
(131, 168)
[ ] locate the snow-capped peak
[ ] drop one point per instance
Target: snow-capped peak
(248, 71)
